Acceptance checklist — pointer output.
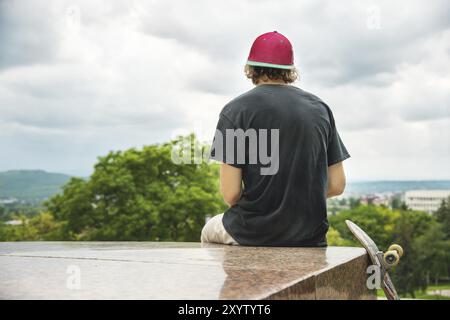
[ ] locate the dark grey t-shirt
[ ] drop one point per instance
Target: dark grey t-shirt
(286, 207)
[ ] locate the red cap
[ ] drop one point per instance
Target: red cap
(273, 50)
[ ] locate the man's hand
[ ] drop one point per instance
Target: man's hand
(230, 183)
(336, 180)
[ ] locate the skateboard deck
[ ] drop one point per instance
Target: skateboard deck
(375, 256)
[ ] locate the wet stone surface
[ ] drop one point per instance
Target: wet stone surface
(164, 270)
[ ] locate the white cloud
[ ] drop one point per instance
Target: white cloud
(80, 78)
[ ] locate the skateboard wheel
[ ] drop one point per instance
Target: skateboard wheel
(391, 258)
(397, 248)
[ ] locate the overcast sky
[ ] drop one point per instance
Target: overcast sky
(81, 78)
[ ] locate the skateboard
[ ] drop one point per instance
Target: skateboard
(384, 260)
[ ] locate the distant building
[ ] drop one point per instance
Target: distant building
(13, 222)
(8, 201)
(377, 199)
(425, 200)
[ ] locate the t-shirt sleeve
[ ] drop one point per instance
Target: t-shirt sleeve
(336, 151)
(219, 146)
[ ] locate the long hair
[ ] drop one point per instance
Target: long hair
(256, 73)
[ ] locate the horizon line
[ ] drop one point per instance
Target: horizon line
(360, 180)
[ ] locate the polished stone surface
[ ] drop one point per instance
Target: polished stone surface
(155, 270)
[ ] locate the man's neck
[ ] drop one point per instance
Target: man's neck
(276, 82)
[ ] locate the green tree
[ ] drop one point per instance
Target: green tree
(378, 222)
(139, 195)
(443, 216)
(398, 204)
(40, 227)
(2, 213)
(334, 238)
(7, 232)
(354, 202)
(420, 234)
(433, 253)
(410, 274)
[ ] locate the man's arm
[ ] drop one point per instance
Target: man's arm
(336, 180)
(230, 183)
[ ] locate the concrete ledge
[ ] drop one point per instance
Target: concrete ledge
(161, 270)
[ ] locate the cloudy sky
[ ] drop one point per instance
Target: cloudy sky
(81, 78)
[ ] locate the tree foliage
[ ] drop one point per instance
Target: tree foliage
(40, 227)
(378, 222)
(139, 195)
(443, 216)
(421, 235)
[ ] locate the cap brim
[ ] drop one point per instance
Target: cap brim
(269, 65)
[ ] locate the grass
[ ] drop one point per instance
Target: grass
(444, 286)
(423, 295)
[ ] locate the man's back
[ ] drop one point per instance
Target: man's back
(287, 206)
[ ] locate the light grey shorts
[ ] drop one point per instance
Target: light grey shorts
(215, 232)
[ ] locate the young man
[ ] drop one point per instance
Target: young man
(281, 157)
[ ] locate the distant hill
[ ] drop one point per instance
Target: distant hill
(37, 185)
(368, 187)
(31, 185)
